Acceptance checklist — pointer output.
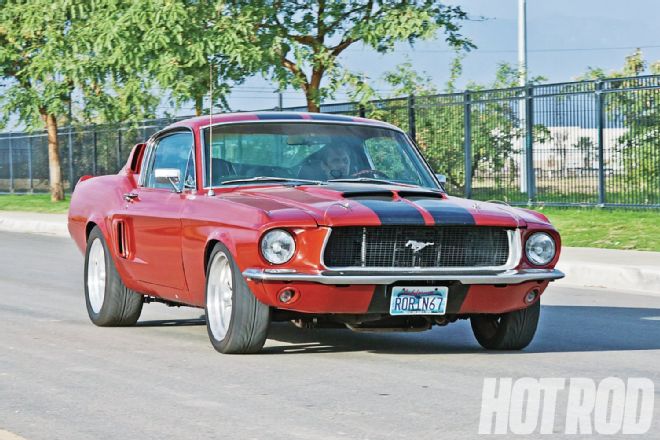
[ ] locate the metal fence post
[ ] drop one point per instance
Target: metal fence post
(30, 164)
(11, 165)
(600, 119)
(70, 142)
(95, 140)
(529, 143)
(467, 141)
(411, 118)
(119, 149)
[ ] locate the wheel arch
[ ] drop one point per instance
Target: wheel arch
(96, 220)
(217, 237)
(207, 252)
(88, 229)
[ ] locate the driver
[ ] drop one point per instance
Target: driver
(335, 162)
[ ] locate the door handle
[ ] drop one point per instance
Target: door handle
(129, 197)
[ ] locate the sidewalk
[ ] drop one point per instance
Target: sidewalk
(34, 223)
(609, 268)
(584, 267)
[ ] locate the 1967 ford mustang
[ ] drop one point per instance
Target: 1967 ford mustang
(318, 219)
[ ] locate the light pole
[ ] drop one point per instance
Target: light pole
(522, 42)
(522, 78)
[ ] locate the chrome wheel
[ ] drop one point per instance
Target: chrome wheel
(219, 292)
(96, 275)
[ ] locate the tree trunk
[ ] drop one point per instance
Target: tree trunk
(312, 106)
(199, 105)
(312, 90)
(54, 167)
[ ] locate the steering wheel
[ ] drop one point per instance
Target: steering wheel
(368, 172)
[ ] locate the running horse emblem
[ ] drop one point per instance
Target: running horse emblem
(418, 245)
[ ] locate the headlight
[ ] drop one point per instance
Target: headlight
(277, 246)
(540, 248)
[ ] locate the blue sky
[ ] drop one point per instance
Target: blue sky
(564, 38)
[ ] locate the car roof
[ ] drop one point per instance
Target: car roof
(203, 121)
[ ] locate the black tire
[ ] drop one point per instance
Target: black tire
(508, 331)
(119, 306)
(248, 325)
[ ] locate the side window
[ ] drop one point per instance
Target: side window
(173, 151)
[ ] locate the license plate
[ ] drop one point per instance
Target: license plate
(418, 300)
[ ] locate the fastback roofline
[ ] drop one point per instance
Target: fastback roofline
(376, 124)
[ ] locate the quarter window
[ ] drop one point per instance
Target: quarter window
(173, 151)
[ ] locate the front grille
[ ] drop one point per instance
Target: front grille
(392, 246)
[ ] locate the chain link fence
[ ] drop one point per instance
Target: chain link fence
(578, 143)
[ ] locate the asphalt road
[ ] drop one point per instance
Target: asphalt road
(63, 378)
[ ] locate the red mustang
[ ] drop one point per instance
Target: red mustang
(314, 218)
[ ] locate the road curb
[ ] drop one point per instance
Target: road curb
(610, 276)
(612, 269)
(34, 223)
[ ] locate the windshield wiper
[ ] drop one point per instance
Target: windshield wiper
(272, 179)
(366, 180)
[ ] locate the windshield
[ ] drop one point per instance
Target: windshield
(310, 153)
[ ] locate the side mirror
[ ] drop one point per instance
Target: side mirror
(442, 179)
(168, 175)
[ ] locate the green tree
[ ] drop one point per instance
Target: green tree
(35, 57)
(638, 109)
(300, 41)
(406, 81)
(48, 57)
(634, 65)
(176, 43)
(496, 130)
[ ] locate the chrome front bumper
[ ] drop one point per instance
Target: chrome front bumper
(376, 277)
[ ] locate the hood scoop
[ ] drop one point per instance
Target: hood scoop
(387, 195)
(370, 195)
(416, 195)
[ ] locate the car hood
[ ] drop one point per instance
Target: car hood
(351, 204)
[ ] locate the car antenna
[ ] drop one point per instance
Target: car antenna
(211, 192)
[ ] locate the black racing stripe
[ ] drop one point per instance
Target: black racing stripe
(392, 213)
(444, 212)
(326, 117)
(268, 116)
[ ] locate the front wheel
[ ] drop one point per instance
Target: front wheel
(235, 320)
(508, 331)
(109, 302)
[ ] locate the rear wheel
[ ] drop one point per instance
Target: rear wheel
(508, 331)
(235, 320)
(109, 302)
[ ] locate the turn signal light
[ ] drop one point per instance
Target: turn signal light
(287, 295)
(531, 296)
